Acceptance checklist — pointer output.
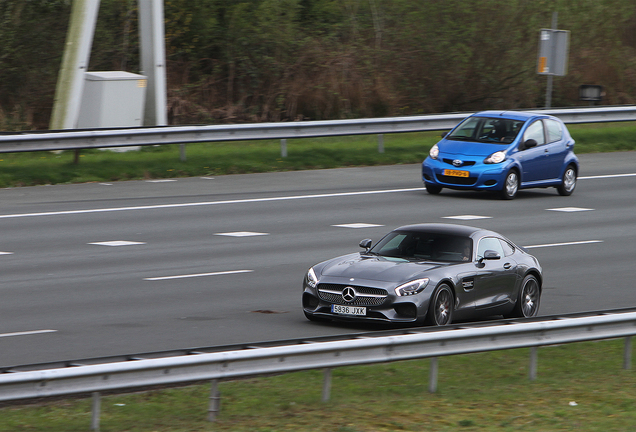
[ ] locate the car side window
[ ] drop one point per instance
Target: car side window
(507, 247)
(489, 243)
(535, 132)
(555, 133)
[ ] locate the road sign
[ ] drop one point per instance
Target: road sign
(554, 46)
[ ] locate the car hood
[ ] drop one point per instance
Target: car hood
(375, 268)
(469, 148)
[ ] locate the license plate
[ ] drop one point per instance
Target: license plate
(456, 173)
(349, 310)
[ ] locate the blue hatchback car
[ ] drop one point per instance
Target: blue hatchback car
(503, 151)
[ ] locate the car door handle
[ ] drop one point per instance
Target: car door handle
(507, 266)
(546, 151)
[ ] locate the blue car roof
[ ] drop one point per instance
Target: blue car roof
(514, 115)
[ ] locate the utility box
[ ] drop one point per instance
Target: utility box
(112, 99)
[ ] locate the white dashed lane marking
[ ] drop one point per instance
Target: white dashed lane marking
(117, 243)
(242, 234)
(570, 209)
(467, 217)
(357, 225)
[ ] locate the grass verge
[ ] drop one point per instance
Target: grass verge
(240, 157)
(580, 387)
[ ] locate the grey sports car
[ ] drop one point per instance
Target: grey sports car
(426, 273)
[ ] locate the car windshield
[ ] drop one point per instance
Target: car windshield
(487, 130)
(424, 246)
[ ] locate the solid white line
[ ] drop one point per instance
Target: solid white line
(197, 275)
(564, 244)
(208, 203)
(607, 176)
(26, 333)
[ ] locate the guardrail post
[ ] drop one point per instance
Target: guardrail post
(380, 143)
(182, 153)
(627, 355)
(432, 376)
(283, 147)
(215, 401)
(326, 385)
(97, 408)
(533, 363)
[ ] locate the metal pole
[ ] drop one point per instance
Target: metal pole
(380, 143)
(548, 90)
(97, 408)
(215, 401)
(283, 147)
(326, 385)
(627, 355)
(77, 52)
(432, 378)
(533, 363)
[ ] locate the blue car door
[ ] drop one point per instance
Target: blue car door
(534, 160)
(556, 149)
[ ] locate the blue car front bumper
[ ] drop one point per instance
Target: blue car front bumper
(480, 176)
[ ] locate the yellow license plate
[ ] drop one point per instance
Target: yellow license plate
(456, 173)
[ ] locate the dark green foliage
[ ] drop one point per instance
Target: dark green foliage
(285, 60)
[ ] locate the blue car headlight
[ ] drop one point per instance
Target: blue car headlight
(434, 152)
(495, 158)
(412, 287)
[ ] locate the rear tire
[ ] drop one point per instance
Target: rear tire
(433, 189)
(568, 183)
(440, 310)
(529, 298)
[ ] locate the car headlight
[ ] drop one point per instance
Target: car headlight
(495, 158)
(312, 280)
(434, 152)
(412, 287)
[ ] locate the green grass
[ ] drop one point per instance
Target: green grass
(580, 387)
(240, 157)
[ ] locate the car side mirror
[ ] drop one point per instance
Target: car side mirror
(366, 244)
(528, 144)
(444, 134)
(489, 255)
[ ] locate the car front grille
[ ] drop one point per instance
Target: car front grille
(365, 296)
(464, 181)
(463, 164)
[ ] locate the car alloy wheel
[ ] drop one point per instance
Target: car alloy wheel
(568, 183)
(441, 309)
(511, 185)
(529, 298)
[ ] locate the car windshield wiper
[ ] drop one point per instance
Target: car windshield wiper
(459, 138)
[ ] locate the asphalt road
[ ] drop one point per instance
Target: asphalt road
(104, 269)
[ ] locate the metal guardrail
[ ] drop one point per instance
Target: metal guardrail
(224, 365)
(104, 138)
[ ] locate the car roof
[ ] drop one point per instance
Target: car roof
(440, 228)
(513, 115)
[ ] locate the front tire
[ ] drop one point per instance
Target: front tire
(440, 311)
(511, 185)
(529, 298)
(433, 189)
(568, 183)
